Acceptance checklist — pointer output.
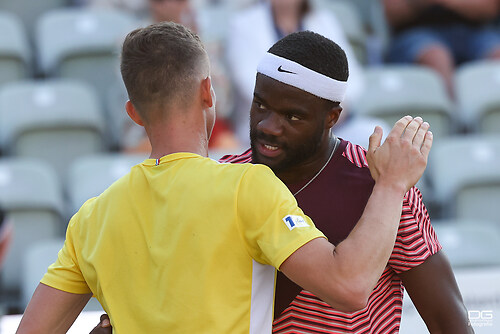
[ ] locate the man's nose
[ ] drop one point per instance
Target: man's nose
(271, 124)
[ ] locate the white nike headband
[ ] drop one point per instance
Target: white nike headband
(294, 74)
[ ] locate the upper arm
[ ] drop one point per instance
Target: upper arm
(426, 272)
(310, 267)
(434, 292)
(302, 266)
(51, 310)
(65, 273)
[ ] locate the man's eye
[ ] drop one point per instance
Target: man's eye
(293, 117)
(260, 106)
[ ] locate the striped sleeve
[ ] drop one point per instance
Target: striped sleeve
(238, 158)
(356, 155)
(416, 239)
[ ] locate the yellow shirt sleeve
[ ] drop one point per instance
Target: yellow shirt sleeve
(65, 273)
(271, 223)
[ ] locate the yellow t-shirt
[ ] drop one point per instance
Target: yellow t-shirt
(184, 245)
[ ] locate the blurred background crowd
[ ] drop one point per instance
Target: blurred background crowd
(64, 134)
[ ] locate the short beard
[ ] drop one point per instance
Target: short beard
(293, 156)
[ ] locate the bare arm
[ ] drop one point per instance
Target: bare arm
(65, 308)
(401, 11)
(398, 12)
(482, 10)
(435, 294)
(344, 276)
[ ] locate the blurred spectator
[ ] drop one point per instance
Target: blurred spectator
(184, 12)
(179, 11)
(442, 33)
(137, 7)
(253, 30)
(6, 232)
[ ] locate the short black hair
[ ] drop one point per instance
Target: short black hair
(315, 52)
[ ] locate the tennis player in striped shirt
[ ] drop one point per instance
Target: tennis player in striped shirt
(290, 130)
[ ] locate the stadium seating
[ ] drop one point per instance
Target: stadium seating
(481, 294)
(465, 176)
(38, 257)
(15, 51)
(477, 86)
(91, 175)
(469, 243)
(472, 246)
(394, 91)
(29, 11)
(55, 120)
(350, 21)
(83, 44)
(116, 117)
(30, 193)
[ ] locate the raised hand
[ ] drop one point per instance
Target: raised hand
(402, 159)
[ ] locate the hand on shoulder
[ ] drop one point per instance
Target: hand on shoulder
(401, 160)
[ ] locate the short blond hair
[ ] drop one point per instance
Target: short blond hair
(161, 64)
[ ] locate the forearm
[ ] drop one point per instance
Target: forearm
(398, 12)
(474, 10)
(447, 324)
(436, 295)
(362, 257)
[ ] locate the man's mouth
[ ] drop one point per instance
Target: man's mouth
(269, 150)
(270, 147)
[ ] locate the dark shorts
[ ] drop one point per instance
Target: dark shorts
(465, 43)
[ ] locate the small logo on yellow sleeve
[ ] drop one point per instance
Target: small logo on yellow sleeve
(292, 222)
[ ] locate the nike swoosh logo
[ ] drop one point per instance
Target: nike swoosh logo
(285, 71)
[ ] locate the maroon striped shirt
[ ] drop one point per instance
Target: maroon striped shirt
(335, 201)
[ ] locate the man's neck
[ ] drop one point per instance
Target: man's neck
(309, 169)
(173, 137)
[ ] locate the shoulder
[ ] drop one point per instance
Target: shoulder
(85, 211)
(244, 157)
(355, 154)
(413, 203)
(239, 168)
(413, 197)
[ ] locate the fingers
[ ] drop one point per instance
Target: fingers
(105, 320)
(375, 139)
(400, 126)
(418, 140)
(418, 133)
(412, 129)
(426, 146)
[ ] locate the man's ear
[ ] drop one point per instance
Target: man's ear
(207, 93)
(133, 114)
(333, 116)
